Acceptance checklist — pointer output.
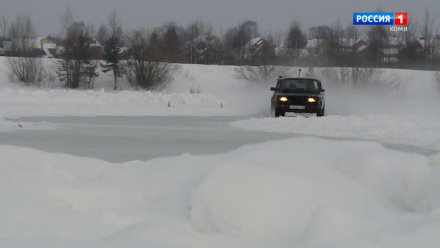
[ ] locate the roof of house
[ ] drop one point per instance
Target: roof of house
(313, 43)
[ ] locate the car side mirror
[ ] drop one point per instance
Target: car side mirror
(322, 90)
(273, 89)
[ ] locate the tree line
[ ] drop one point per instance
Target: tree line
(144, 57)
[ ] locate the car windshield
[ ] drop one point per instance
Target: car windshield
(299, 85)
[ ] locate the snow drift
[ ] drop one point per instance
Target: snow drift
(304, 192)
(408, 129)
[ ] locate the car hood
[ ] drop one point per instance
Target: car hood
(297, 93)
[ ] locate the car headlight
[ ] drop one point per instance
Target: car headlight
(311, 100)
(283, 99)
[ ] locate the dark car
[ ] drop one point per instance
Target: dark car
(298, 95)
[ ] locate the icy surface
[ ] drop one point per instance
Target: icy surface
(128, 138)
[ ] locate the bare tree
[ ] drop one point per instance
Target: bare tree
(295, 39)
(75, 66)
(4, 27)
(66, 20)
(262, 73)
(356, 76)
(171, 44)
(91, 30)
(237, 38)
(279, 43)
(103, 34)
(23, 65)
(427, 28)
(113, 52)
(21, 34)
(410, 55)
(377, 37)
(22, 27)
(142, 68)
(195, 34)
(430, 44)
(115, 25)
(335, 46)
(412, 32)
(261, 63)
(352, 34)
(197, 28)
(27, 70)
(327, 43)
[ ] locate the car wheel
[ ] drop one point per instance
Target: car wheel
(279, 112)
(320, 113)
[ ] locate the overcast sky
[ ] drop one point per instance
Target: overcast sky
(270, 14)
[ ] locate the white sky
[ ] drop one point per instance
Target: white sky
(270, 14)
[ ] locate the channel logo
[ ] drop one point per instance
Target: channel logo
(380, 18)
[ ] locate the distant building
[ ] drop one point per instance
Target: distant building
(313, 48)
(352, 45)
(393, 46)
(431, 49)
(259, 49)
(204, 50)
(47, 46)
(24, 44)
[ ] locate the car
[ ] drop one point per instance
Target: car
(298, 95)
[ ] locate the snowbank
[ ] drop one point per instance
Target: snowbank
(59, 102)
(20, 102)
(410, 129)
(304, 192)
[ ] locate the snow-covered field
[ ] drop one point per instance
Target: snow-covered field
(300, 192)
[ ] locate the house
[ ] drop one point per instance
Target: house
(96, 49)
(393, 46)
(204, 49)
(55, 49)
(312, 48)
(348, 45)
(27, 45)
(40, 46)
(432, 49)
(47, 46)
(258, 50)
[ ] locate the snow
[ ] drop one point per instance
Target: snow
(195, 91)
(303, 192)
(55, 102)
(395, 129)
(200, 90)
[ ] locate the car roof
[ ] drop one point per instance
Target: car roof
(283, 78)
